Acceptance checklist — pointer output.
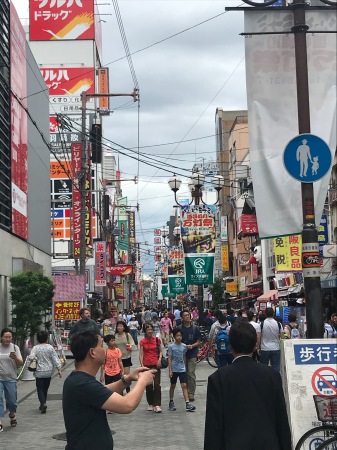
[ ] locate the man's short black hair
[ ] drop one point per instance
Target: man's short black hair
(250, 316)
(108, 338)
(269, 312)
(242, 337)
(82, 311)
(218, 313)
(176, 330)
(222, 319)
(42, 336)
(185, 311)
(81, 343)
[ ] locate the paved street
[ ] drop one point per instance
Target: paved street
(141, 429)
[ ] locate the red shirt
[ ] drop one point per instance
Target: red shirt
(150, 351)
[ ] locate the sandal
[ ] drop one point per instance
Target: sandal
(13, 421)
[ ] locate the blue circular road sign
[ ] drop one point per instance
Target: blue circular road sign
(307, 158)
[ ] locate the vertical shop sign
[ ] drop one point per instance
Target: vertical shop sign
(176, 270)
(100, 263)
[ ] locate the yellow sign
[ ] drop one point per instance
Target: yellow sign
(224, 258)
(288, 253)
(232, 287)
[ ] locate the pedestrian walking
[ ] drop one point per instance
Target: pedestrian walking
(150, 355)
(86, 400)
(177, 369)
(126, 344)
(133, 327)
(222, 351)
(268, 340)
(177, 316)
(47, 361)
(10, 359)
(112, 370)
(84, 324)
(165, 328)
(156, 325)
(192, 339)
(263, 422)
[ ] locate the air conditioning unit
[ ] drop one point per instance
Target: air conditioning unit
(241, 172)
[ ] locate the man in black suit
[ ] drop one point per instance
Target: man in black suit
(245, 407)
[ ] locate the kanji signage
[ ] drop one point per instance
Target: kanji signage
(288, 253)
(198, 239)
(67, 310)
(54, 20)
(247, 225)
(100, 263)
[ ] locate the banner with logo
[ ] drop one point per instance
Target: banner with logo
(288, 253)
(176, 270)
(55, 20)
(198, 238)
(123, 225)
(271, 76)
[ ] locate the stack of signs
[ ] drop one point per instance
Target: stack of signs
(198, 238)
(176, 270)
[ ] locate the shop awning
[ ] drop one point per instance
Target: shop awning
(269, 295)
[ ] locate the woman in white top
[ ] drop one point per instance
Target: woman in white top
(10, 359)
(47, 361)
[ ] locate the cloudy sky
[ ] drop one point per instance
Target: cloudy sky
(182, 80)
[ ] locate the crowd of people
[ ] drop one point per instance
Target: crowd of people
(238, 339)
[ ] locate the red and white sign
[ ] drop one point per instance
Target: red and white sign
(157, 240)
(69, 81)
(121, 270)
(157, 232)
(54, 20)
(19, 138)
(247, 225)
(100, 263)
(324, 381)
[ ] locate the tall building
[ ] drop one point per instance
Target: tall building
(24, 160)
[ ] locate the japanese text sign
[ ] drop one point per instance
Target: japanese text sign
(100, 263)
(288, 253)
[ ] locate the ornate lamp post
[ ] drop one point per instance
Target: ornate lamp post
(195, 184)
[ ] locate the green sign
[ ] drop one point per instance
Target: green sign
(199, 269)
(164, 290)
(177, 285)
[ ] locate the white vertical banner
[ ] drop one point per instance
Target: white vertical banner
(223, 228)
(272, 111)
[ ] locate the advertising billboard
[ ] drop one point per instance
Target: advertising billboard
(54, 20)
(65, 85)
(19, 138)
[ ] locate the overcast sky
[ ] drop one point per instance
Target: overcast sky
(182, 81)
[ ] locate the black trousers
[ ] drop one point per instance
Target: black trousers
(42, 386)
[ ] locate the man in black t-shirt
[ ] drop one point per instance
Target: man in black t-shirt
(85, 400)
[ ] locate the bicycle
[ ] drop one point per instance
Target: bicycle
(323, 437)
(208, 352)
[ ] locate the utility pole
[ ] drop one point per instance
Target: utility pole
(311, 276)
(84, 167)
(310, 249)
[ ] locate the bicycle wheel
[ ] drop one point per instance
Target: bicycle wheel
(330, 444)
(211, 358)
(315, 437)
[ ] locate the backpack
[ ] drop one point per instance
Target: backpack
(295, 334)
(222, 342)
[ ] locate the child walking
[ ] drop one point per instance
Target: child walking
(177, 369)
(112, 369)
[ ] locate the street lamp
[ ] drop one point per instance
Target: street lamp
(195, 184)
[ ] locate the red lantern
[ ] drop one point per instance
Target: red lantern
(252, 260)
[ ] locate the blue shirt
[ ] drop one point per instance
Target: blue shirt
(177, 353)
